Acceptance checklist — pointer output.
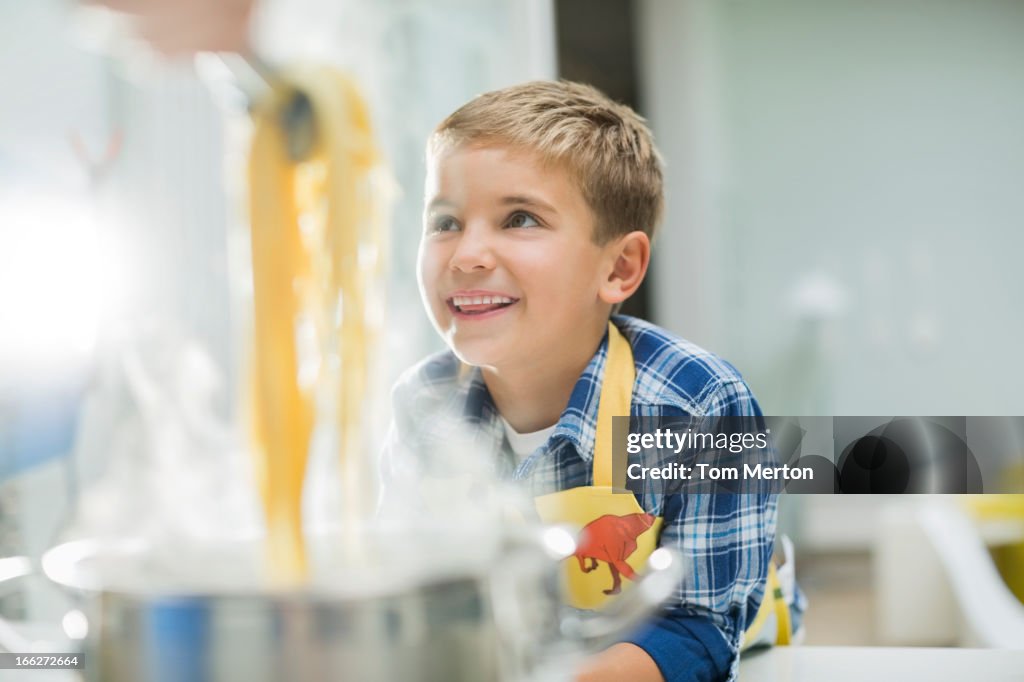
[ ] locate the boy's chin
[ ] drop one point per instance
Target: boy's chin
(473, 359)
(476, 354)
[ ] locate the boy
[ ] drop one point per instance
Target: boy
(541, 203)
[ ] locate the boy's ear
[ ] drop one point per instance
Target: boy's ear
(629, 257)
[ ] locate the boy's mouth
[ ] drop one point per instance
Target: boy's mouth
(479, 305)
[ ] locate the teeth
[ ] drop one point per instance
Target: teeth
(480, 300)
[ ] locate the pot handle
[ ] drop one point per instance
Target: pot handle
(12, 641)
(11, 569)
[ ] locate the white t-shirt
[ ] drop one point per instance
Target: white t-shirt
(523, 444)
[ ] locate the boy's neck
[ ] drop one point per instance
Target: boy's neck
(533, 395)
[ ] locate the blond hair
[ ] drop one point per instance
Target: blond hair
(606, 146)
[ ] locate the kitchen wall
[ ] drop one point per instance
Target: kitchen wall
(845, 219)
(845, 185)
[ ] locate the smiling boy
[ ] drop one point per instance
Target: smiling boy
(510, 274)
(541, 203)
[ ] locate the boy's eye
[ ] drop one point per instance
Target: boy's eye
(443, 223)
(522, 219)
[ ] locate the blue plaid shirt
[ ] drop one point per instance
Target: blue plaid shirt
(726, 538)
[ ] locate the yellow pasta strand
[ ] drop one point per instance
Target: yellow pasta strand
(317, 254)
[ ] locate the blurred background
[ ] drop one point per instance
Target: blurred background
(844, 225)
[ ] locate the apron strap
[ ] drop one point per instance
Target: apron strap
(773, 603)
(616, 396)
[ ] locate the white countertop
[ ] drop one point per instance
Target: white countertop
(881, 664)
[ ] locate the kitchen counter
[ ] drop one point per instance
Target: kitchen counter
(880, 664)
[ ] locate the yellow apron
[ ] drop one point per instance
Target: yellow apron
(618, 535)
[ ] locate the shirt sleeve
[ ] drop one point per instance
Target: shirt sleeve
(685, 647)
(727, 540)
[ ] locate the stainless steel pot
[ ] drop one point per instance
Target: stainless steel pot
(502, 619)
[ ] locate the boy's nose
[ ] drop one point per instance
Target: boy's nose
(473, 251)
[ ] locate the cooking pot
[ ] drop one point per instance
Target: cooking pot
(494, 614)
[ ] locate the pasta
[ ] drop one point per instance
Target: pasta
(317, 232)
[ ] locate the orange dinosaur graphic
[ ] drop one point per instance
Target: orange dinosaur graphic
(612, 539)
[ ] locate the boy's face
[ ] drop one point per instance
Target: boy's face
(508, 269)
